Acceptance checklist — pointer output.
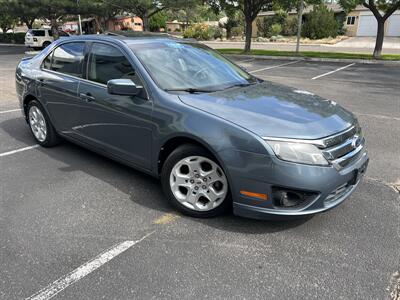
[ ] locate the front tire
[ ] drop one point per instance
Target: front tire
(45, 45)
(40, 125)
(195, 183)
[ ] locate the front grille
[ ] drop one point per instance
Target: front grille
(344, 148)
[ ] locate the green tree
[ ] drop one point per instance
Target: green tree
(53, 10)
(388, 7)
(7, 17)
(250, 10)
(26, 12)
(104, 10)
(158, 21)
(299, 6)
(320, 23)
(145, 9)
(235, 18)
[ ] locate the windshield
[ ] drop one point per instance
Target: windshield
(182, 66)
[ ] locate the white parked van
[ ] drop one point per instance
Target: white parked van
(41, 38)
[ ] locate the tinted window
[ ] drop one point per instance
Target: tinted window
(50, 32)
(38, 32)
(107, 62)
(68, 59)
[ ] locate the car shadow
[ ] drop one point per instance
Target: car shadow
(125, 179)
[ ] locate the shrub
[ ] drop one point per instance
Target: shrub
(320, 23)
(12, 38)
(199, 31)
(340, 19)
(237, 31)
(264, 25)
(218, 33)
(289, 27)
(276, 29)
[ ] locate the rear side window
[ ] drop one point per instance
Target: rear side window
(68, 59)
(38, 33)
(107, 62)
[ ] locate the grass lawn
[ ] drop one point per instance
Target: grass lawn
(310, 54)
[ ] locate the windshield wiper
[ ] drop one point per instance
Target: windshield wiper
(190, 90)
(241, 85)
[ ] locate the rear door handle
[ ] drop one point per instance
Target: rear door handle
(87, 97)
(41, 82)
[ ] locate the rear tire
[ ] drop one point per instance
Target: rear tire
(39, 123)
(195, 183)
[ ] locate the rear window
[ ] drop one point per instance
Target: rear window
(38, 33)
(68, 59)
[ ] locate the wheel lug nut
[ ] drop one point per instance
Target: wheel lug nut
(205, 179)
(197, 176)
(191, 181)
(204, 187)
(196, 188)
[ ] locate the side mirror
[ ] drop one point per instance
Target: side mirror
(123, 87)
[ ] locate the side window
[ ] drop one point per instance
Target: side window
(68, 59)
(107, 62)
(50, 32)
(47, 62)
(38, 32)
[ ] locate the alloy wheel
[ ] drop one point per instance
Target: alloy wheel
(37, 123)
(198, 183)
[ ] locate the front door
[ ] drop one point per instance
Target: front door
(120, 125)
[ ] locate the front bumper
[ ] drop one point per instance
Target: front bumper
(264, 173)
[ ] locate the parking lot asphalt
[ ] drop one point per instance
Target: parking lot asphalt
(66, 209)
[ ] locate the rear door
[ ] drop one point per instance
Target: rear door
(58, 82)
(119, 125)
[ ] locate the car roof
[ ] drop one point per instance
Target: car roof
(131, 37)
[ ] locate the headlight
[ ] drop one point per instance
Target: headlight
(298, 152)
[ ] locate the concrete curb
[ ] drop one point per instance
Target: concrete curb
(12, 45)
(359, 61)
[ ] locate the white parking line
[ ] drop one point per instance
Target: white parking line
(331, 72)
(18, 150)
(273, 67)
(8, 111)
(62, 283)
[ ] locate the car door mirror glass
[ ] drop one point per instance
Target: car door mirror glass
(123, 87)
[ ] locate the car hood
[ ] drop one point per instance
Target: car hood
(273, 110)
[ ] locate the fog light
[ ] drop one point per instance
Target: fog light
(290, 198)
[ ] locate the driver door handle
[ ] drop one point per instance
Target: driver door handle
(87, 97)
